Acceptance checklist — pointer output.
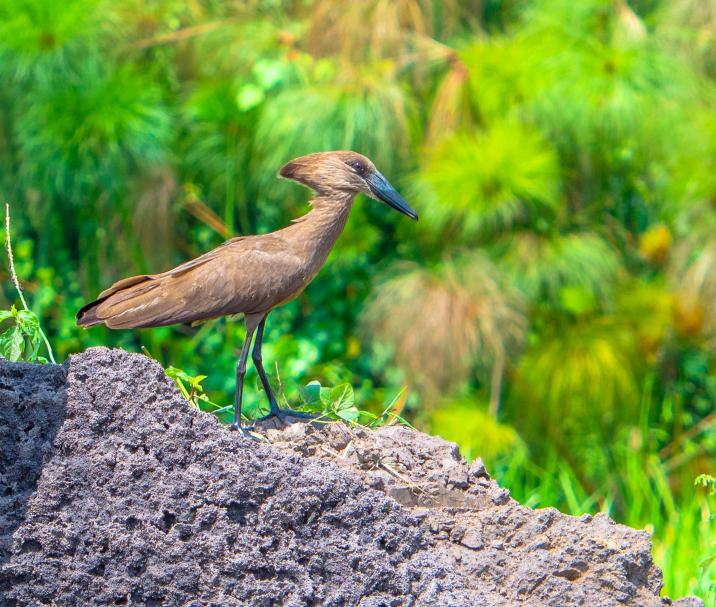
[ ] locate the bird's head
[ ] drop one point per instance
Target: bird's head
(326, 172)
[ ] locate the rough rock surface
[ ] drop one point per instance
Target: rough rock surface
(143, 500)
(32, 407)
(514, 554)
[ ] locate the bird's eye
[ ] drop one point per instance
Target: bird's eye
(358, 166)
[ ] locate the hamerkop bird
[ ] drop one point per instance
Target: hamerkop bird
(251, 274)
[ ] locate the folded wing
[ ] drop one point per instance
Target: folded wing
(236, 277)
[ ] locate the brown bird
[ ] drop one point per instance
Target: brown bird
(251, 275)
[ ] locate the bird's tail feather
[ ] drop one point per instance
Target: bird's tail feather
(140, 304)
(87, 316)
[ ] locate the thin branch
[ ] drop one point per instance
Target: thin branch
(16, 282)
(688, 435)
(188, 32)
(411, 485)
(203, 213)
(684, 458)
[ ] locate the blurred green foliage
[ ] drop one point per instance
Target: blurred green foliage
(572, 143)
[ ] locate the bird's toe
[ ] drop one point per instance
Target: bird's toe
(285, 415)
(247, 432)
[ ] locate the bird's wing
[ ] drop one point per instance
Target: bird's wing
(122, 290)
(250, 275)
(185, 267)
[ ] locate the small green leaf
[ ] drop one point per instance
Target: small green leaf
(370, 415)
(351, 414)
(401, 420)
(342, 397)
(707, 561)
(314, 392)
(395, 400)
(35, 341)
(325, 395)
(28, 321)
(277, 387)
(175, 374)
(12, 344)
(5, 314)
(303, 395)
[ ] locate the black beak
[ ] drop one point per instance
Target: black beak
(382, 190)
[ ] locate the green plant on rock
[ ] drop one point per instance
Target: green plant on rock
(335, 403)
(329, 403)
(191, 389)
(26, 324)
(338, 401)
(26, 327)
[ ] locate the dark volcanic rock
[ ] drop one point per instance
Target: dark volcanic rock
(32, 407)
(147, 501)
(513, 554)
(143, 500)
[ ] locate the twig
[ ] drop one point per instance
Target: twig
(334, 454)
(330, 451)
(16, 282)
(203, 213)
(397, 475)
(683, 458)
(180, 34)
(689, 434)
(411, 485)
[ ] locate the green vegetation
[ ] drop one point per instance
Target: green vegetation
(707, 481)
(25, 326)
(554, 310)
(330, 404)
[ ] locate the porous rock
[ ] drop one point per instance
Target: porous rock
(32, 407)
(513, 554)
(117, 492)
(147, 501)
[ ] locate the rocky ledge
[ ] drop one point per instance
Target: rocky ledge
(115, 491)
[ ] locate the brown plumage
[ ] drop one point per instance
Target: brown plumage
(250, 274)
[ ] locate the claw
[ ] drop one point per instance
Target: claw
(247, 432)
(282, 414)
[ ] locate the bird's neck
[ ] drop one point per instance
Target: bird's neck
(317, 231)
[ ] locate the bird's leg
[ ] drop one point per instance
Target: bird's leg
(240, 373)
(258, 363)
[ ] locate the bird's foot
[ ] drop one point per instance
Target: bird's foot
(282, 414)
(247, 432)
